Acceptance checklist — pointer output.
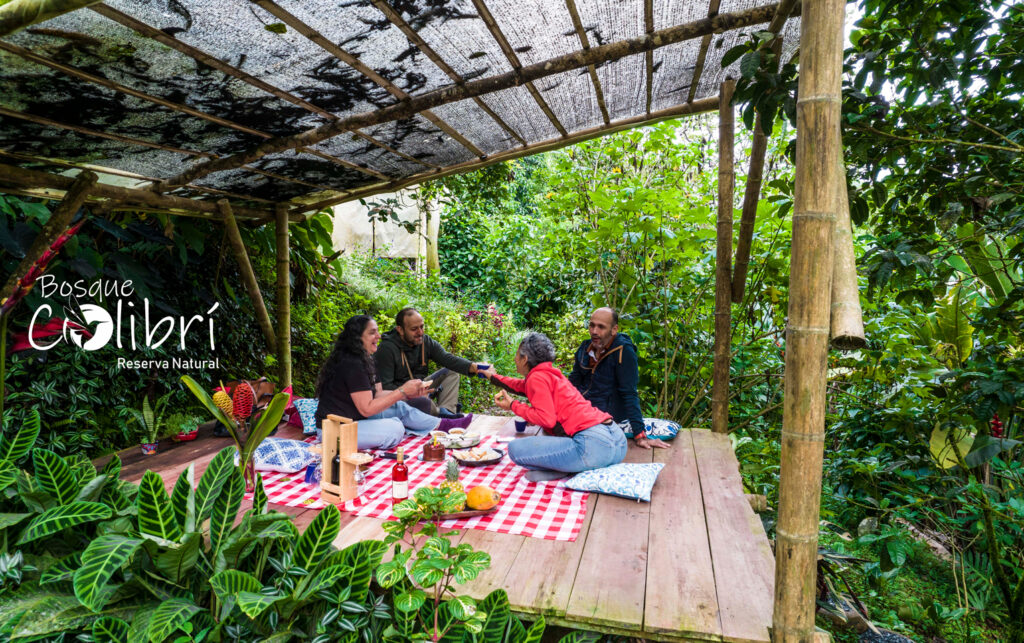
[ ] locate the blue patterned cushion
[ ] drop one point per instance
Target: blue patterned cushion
(279, 454)
(626, 480)
(307, 411)
(656, 429)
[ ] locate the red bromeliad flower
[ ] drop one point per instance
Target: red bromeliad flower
(996, 426)
(242, 400)
(38, 268)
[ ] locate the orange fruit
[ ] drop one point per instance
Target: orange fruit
(482, 497)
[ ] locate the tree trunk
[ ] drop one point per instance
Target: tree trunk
(723, 260)
(284, 312)
(248, 276)
(750, 198)
(810, 283)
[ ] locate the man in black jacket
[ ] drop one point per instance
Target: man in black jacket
(606, 372)
(406, 352)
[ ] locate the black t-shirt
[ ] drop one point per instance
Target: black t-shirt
(350, 376)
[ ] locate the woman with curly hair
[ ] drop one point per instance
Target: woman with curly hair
(577, 436)
(348, 386)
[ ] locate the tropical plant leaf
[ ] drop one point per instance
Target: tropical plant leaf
(183, 499)
(230, 582)
(985, 447)
(54, 476)
(225, 508)
(268, 422)
(259, 497)
(321, 580)
(498, 611)
(176, 562)
(8, 520)
(13, 449)
(46, 614)
(363, 558)
(942, 450)
(254, 604)
(207, 401)
(156, 516)
(412, 601)
(316, 541)
(536, 631)
(169, 617)
(62, 570)
(60, 518)
(8, 475)
(210, 484)
(112, 468)
(139, 630)
(93, 490)
(109, 629)
(580, 637)
(101, 559)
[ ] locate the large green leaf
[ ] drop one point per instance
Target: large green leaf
(7, 520)
(93, 490)
(54, 476)
(176, 562)
(156, 516)
(953, 325)
(44, 614)
(254, 604)
(183, 499)
(986, 262)
(101, 559)
(62, 570)
(15, 448)
(498, 611)
(112, 468)
(942, 449)
(985, 447)
(169, 617)
(230, 582)
(8, 475)
(60, 518)
(316, 541)
(109, 629)
(268, 422)
(210, 484)
(321, 580)
(363, 558)
(225, 508)
(207, 401)
(259, 497)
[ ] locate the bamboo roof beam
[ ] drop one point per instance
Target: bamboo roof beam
(649, 56)
(146, 30)
(138, 141)
(576, 60)
(316, 37)
(396, 19)
(252, 286)
(22, 179)
(513, 59)
(591, 69)
(177, 107)
(702, 55)
(18, 14)
(122, 173)
(697, 107)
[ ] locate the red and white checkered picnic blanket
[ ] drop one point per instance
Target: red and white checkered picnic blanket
(540, 510)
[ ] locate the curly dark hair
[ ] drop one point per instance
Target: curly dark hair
(348, 344)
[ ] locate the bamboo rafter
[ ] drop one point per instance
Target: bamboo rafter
(576, 60)
(513, 59)
(649, 56)
(146, 30)
(177, 107)
(396, 19)
(591, 69)
(702, 55)
(316, 37)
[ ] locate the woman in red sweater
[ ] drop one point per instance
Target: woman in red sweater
(577, 436)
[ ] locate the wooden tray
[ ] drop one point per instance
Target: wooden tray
(469, 513)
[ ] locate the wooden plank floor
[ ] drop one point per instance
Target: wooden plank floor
(693, 564)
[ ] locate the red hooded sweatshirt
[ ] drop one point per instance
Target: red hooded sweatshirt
(553, 399)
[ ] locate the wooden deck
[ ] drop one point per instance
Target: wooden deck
(693, 564)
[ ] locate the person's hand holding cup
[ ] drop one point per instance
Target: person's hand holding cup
(483, 370)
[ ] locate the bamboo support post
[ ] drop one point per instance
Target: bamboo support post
(810, 282)
(284, 312)
(723, 260)
(248, 276)
(54, 227)
(751, 196)
(517, 77)
(847, 323)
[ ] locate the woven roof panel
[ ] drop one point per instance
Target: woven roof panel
(287, 71)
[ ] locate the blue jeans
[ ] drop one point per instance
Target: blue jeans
(601, 445)
(387, 428)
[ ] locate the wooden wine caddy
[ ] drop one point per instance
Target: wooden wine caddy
(339, 429)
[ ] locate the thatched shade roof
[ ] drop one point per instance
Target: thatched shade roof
(149, 89)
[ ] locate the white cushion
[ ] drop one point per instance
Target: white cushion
(285, 456)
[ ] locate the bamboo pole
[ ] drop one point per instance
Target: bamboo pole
(810, 282)
(847, 323)
(750, 198)
(284, 312)
(20, 178)
(18, 14)
(516, 77)
(54, 227)
(723, 259)
(248, 276)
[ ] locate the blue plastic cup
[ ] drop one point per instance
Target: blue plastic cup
(482, 367)
(520, 425)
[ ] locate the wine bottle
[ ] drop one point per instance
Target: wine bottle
(336, 464)
(399, 479)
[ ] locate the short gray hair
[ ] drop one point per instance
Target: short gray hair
(537, 348)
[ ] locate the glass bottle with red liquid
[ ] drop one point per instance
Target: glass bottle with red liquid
(399, 479)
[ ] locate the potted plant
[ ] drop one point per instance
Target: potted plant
(150, 419)
(183, 427)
